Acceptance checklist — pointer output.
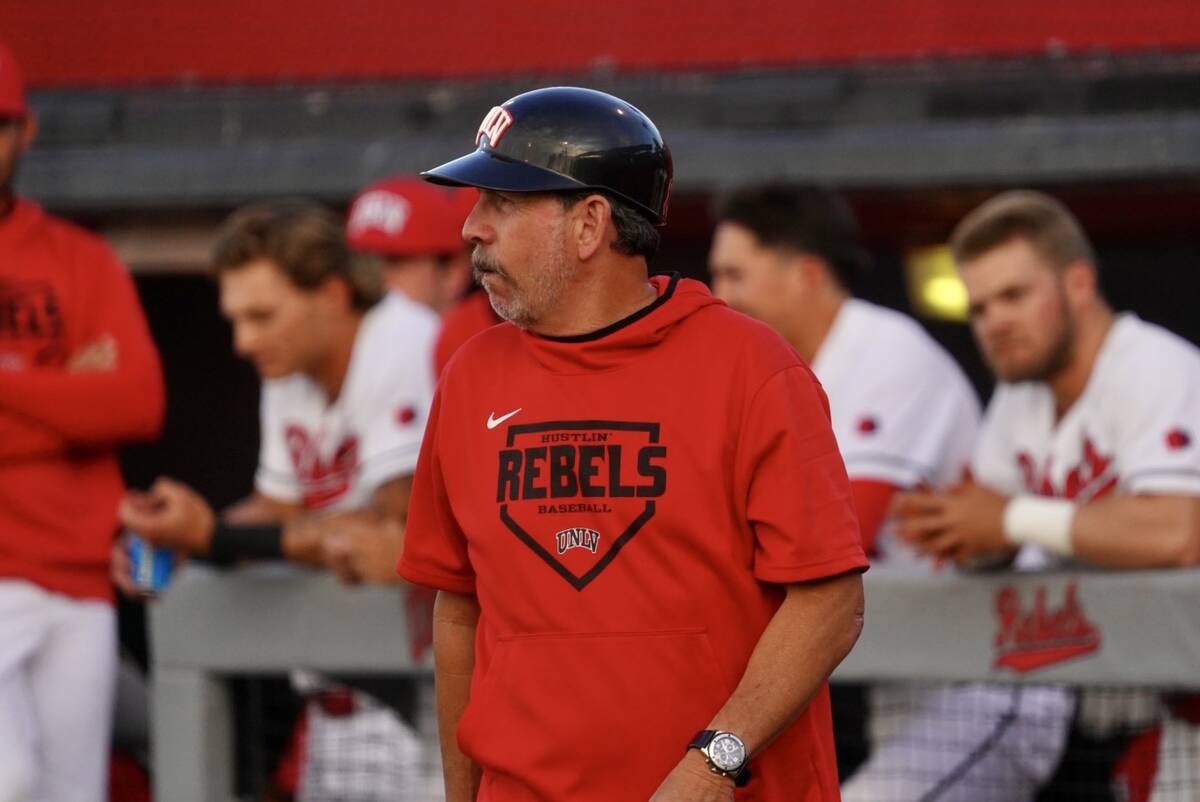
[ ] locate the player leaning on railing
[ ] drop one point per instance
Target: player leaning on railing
(1089, 446)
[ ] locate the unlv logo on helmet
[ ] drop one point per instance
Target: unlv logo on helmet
(561, 484)
(493, 126)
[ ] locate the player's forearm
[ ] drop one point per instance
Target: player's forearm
(259, 509)
(95, 409)
(809, 635)
(1138, 532)
(22, 439)
(455, 618)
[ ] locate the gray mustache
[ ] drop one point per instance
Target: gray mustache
(480, 261)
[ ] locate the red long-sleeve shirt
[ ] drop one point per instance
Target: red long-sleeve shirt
(62, 289)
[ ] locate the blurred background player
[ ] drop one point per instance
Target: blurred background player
(347, 385)
(415, 230)
(904, 416)
(79, 376)
(1088, 451)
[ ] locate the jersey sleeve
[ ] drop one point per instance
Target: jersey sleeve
(276, 476)
(1157, 430)
(798, 499)
(910, 431)
(399, 408)
(435, 549)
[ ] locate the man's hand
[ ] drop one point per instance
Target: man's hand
(121, 569)
(363, 547)
(693, 781)
(98, 356)
(961, 524)
(170, 515)
(304, 540)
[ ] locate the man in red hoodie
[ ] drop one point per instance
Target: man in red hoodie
(629, 498)
(79, 376)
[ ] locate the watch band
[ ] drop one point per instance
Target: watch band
(702, 739)
(701, 742)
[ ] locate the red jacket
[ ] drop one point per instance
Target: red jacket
(62, 289)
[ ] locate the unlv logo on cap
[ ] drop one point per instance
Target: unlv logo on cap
(493, 126)
(1039, 637)
(382, 210)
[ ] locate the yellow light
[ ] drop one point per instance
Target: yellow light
(934, 288)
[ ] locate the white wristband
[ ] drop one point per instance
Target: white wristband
(1045, 522)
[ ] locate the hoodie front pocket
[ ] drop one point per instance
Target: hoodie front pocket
(598, 716)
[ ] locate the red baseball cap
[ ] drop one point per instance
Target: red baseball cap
(408, 217)
(12, 85)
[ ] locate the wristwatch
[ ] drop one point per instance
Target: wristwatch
(725, 754)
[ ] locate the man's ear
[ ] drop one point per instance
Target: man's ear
(592, 226)
(810, 271)
(1080, 281)
(335, 291)
(29, 131)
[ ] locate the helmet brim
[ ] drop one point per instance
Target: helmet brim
(485, 170)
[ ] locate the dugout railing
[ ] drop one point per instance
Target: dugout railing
(1083, 629)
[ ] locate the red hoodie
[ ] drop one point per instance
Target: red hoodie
(62, 289)
(627, 506)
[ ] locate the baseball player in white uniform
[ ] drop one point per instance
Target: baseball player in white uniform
(333, 458)
(348, 381)
(1088, 450)
(905, 416)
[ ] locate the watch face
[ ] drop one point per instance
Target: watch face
(727, 752)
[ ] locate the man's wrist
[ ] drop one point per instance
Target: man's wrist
(1036, 520)
(724, 753)
(703, 768)
(231, 542)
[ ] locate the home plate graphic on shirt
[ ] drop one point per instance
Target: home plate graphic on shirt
(576, 492)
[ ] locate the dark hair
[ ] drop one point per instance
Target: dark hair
(1045, 223)
(304, 239)
(636, 235)
(803, 218)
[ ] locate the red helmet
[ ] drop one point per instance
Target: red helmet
(408, 217)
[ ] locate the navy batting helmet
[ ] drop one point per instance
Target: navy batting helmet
(564, 139)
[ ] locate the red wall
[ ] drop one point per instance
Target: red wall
(221, 41)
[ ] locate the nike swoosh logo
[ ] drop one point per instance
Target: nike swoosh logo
(493, 421)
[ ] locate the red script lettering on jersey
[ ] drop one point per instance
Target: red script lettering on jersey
(1093, 478)
(321, 482)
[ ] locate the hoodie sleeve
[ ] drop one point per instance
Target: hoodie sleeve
(98, 409)
(798, 498)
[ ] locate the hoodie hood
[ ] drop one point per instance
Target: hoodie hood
(20, 223)
(629, 338)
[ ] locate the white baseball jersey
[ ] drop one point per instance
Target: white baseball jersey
(334, 456)
(1133, 430)
(903, 412)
